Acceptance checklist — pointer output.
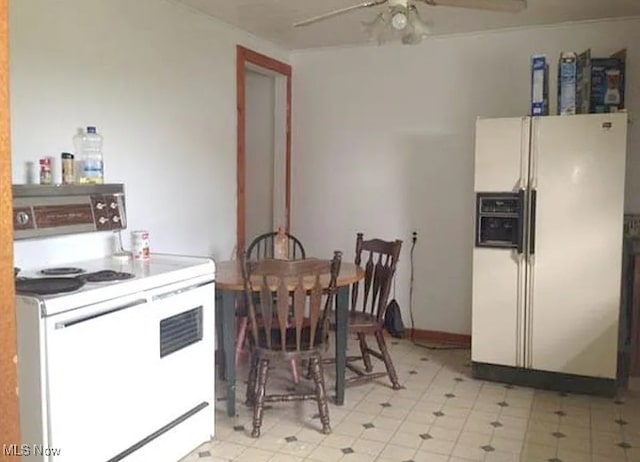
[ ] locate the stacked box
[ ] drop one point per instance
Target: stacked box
(608, 83)
(567, 83)
(539, 86)
(583, 92)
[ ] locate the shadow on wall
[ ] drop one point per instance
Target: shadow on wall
(439, 203)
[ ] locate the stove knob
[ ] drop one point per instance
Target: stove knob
(100, 205)
(116, 219)
(22, 218)
(103, 220)
(113, 205)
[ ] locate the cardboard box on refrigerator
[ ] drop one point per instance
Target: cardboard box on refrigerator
(539, 85)
(568, 83)
(583, 83)
(574, 83)
(608, 83)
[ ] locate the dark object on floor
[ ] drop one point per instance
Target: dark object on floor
(393, 320)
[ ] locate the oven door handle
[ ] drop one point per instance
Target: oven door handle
(173, 293)
(521, 215)
(89, 317)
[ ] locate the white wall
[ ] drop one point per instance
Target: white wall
(158, 80)
(383, 144)
(259, 171)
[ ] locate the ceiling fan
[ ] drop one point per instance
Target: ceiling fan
(401, 18)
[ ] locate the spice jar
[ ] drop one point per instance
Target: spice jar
(68, 168)
(45, 171)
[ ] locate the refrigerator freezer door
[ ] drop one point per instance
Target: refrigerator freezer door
(578, 171)
(497, 335)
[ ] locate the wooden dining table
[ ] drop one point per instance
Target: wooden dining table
(229, 285)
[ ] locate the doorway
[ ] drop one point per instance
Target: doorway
(264, 145)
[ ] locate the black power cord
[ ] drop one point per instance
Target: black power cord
(414, 239)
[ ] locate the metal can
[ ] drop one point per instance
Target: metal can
(68, 168)
(140, 245)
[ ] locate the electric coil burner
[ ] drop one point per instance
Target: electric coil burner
(106, 276)
(48, 286)
(62, 271)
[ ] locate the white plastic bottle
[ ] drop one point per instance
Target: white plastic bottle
(92, 169)
(280, 245)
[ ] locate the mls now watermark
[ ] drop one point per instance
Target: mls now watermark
(29, 450)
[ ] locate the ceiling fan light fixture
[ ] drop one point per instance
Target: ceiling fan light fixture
(399, 20)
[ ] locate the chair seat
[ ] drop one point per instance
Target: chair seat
(290, 341)
(358, 322)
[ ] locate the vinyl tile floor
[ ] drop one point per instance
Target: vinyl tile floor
(441, 415)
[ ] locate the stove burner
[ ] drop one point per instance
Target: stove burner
(63, 271)
(48, 286)
(106, 276)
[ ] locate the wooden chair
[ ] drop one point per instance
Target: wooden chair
(276, 334)
(369, 300)
(261, 248)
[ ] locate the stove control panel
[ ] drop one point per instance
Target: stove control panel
(40, 211)
(108, 210)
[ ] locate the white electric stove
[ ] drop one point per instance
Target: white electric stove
(116, 370)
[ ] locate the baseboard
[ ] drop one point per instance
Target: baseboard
(439, 337)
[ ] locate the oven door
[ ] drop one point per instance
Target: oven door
(97, 360)
(124, 374)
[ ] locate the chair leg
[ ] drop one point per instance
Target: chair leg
(258, 405)
(364, 349)
(242, 334)
(388, 363)
(252, 382)
(309, 367)
(294, 372)
(321, 394)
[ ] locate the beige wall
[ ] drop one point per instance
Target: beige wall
(383, 144)
(158, 80)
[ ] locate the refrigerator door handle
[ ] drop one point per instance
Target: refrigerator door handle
(520, 241)
(532, 224)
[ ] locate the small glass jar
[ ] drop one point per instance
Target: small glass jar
(68, 168)
(46, 176)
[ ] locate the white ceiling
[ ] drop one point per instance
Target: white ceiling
(273, 19)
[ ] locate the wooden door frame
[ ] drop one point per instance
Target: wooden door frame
(9, 410)
(246, 56)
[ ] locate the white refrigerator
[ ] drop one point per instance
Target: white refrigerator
(548, 250)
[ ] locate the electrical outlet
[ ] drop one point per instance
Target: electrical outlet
(632, 226)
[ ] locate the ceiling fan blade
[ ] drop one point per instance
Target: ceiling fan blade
(331, 14)
(509, 6)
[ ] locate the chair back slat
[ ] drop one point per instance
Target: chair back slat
(283, 310)
(379, 270)
(314, 310)
(276, 324)
(299, 301)
(266, 307)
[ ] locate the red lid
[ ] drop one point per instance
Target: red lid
(45, 161)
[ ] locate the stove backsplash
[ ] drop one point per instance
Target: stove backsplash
(59, 250)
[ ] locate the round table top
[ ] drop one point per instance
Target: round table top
(229, 275)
